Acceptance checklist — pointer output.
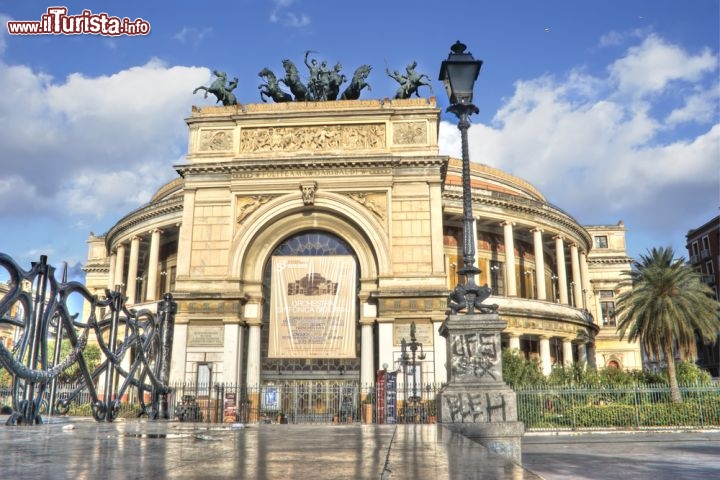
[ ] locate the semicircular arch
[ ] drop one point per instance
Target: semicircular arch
(287, 215)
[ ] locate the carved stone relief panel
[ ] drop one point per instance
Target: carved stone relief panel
(247, 205)
(312, 138)
(216, 140)
(374, 202)
(410, 133)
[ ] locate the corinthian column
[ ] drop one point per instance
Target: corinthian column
(577, 281)
(119, 266)
(539, 265)
(153, 264)
(562, 274)
(510, 259)
(133, 270)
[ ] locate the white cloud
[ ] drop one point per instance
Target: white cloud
(649, 67)
(601, 157)
(612, 38)
(102, 142)
(699, 107)
(281, 14)
(192, 35)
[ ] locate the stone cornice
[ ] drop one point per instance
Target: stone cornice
(175, 184)
(610, 260)
(521, 205)
(173, 205)
(310, 164)
(306, 109)
(486, 171)
(96, 267)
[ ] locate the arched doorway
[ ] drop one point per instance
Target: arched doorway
(310, 290)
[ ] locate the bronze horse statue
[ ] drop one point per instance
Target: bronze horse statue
(222, 92)
(409, 83)
(352, 92)
(336, 79)
(271, 88)
(292, 80)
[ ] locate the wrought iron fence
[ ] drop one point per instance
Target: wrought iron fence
(300, 402)
(292, 402)
(617, 407)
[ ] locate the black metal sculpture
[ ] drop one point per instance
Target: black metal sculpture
(221, 88)
(410, 82)
(323, 84)
(271, 88)
(42, 313)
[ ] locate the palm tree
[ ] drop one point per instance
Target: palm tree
(666, 308)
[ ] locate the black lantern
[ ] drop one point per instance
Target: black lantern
(459, 73)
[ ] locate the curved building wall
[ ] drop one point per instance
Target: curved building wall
(368, 174)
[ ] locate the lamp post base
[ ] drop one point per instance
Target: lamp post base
(476, 402)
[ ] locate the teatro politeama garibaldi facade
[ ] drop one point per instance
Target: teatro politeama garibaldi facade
(302, 240)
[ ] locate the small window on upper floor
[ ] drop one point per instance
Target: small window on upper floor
(601, 241)
(706, 242)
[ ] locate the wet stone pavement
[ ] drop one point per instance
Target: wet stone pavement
(80, 448)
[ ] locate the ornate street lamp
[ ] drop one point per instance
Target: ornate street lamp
(459, 73)
(411, 360)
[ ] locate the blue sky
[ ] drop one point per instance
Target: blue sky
(610, 108)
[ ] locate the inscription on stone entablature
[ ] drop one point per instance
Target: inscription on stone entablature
(216, 140)
(312, 138)
(210, 307)
(409, 133)
(247, 205)
(374, 202)
(423, 332)
(475, 407)
(403, 305)
(205, 336)
(545, 325)
(319, 172)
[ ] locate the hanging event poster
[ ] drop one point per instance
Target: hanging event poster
(312, 308)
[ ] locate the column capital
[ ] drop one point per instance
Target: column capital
(155, 230)
(507, 222)
(537, 229)
(559, 237)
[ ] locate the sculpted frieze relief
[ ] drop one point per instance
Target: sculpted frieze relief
(312, 138)
(409, 133)
(374, 202)
(247, 205)
(216, 140)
